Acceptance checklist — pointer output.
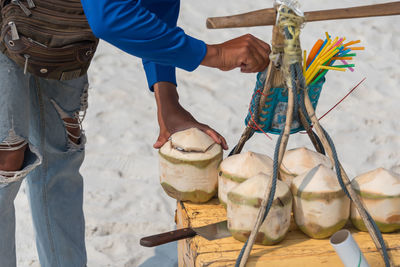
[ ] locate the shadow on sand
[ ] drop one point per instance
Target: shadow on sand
(165, 255)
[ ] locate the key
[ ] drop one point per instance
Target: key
(31, 4)
(22, 6)
(14, 31)
(26, 62)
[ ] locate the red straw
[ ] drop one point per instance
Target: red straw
(351, 91)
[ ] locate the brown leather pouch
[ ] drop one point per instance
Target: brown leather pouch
(49, 38)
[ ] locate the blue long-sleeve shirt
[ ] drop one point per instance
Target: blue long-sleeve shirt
(146, 29)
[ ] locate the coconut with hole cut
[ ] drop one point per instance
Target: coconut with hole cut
(320, 206)
(189, 166)
(238, 168)
(243, 206)
(300, 160)
(380, 193)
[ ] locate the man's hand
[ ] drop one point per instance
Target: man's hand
(247, 52)
(172, 117)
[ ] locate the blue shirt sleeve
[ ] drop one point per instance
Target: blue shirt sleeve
(146, 29)
(167, 11)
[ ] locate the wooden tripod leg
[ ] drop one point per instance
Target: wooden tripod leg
(282, 149)
(249, 130)
(354, 196)
(243, 139)
(310, 133)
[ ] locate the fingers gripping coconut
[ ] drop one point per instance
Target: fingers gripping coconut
(380, 193)
(188, 166)
(237, 169)
(320, 206)
(300, 160)
(244, 203)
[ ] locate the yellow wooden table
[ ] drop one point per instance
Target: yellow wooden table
(297, 250)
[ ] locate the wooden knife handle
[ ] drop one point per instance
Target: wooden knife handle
(163, 238)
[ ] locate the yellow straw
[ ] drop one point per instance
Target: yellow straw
(311, 69)
(341, 42)
(309, 78)
(304, 62)
(331, 68)
(329, 55)
(329, 47)
(327, 36)
(313, 66)
(325, 48)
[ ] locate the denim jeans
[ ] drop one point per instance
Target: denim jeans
(32, 109)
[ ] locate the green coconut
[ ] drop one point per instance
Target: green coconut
(238, 168)
(243, 206)
(380, 193)
(320, 206)
(189, 166)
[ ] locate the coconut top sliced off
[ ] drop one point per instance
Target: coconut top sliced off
(319, 179)
(191, 145)
(246, 165)
(300, 160)
(192, 140)
(254, 188)
(378, 182)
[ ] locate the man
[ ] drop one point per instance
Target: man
(40, 134)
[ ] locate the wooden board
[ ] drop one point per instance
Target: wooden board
(297, 250)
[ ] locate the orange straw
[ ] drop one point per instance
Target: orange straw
(314, 51)
(357, 48)
(351, 43)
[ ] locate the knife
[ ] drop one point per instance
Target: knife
(210, 232)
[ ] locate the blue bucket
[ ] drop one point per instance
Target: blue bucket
(272, 118)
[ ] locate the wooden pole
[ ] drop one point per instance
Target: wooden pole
(267, 16)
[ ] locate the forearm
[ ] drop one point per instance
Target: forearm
(166, 96)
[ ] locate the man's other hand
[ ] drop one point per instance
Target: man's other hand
(246, 52)
(172, 117)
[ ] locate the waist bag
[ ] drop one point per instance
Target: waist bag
(48, 38)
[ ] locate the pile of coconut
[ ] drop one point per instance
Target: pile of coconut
(320, 207)
(191, 170)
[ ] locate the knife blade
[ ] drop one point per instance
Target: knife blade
(210, 232)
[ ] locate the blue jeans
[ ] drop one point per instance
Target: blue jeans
(32, 110)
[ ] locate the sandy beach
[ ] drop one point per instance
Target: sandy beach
(123, 198)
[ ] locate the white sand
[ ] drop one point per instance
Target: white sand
(123, 198)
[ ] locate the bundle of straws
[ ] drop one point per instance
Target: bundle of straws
(324, 54)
